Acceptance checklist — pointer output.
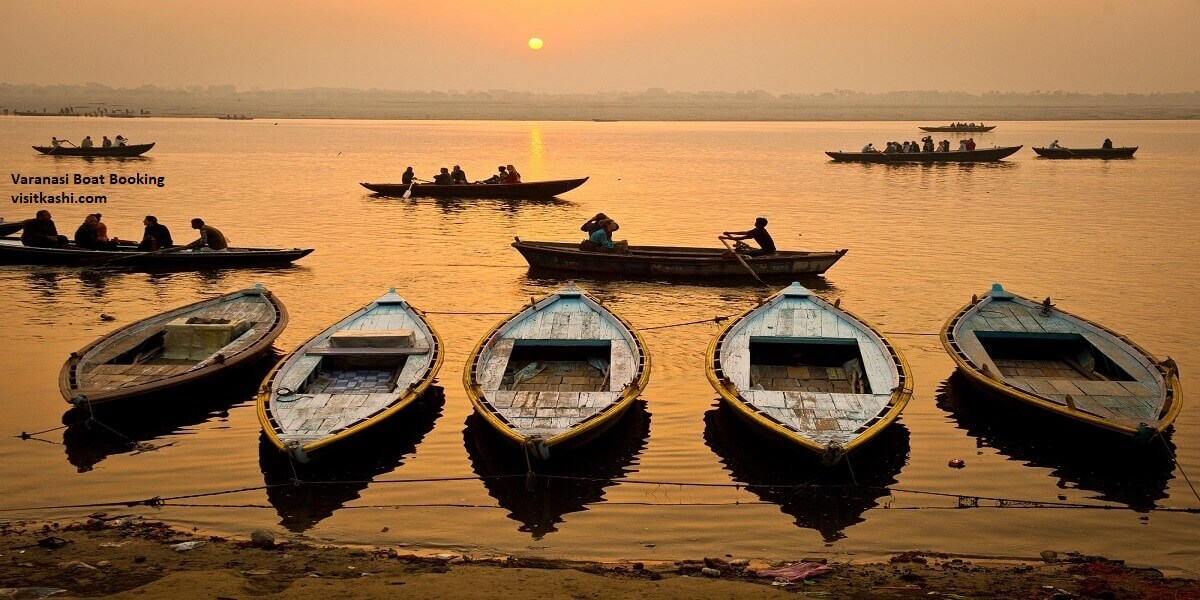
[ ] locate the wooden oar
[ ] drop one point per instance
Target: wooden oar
(408, 193)
(138, 253)
(725, 240)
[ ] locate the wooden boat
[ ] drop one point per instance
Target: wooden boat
(236, 118)
(13, 252)
(1123, 152)
(557, 373)
(28, 113)
(349, 378)
(809, 372)
(956, 156)
(183, 346)
(530, 190)
(667, 261)
(1037, 354)
(117, 151)
(957, 128)
(10, 227)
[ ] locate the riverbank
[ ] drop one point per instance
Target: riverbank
(128, 557)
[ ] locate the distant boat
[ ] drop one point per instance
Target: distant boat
(1036, 353)
(955, 156)
(668, 262)
(13, 252)
(125, 116)
(10, 227)
(350, 378)
(606, 120)
(183, 346)
(1124, 152)
(530, 190)
(957, 128)
(21, 113)
(236, 118)
(806, 371)
(119, 151)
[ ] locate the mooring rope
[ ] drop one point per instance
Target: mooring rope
(1180, 467)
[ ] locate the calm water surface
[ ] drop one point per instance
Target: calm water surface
(1114, 241)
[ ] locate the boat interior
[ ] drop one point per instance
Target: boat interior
(537, 366)
(1050, 356)
(807, 365)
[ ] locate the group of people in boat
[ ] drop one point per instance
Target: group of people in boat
(92, 234)
(87, 142)
(925, 145)
(600, 229)
(1107, 145)
(967, 124)
(505, 174)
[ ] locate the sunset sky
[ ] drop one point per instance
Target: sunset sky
(780, 46)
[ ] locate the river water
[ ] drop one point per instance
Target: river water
(1113, 241)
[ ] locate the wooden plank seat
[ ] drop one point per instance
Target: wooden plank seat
(395, 351)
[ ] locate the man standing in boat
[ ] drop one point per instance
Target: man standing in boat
(759, 234)
(211, 238)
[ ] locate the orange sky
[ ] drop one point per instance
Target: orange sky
(612, 45)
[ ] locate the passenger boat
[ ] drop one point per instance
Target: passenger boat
(809, 372)
(1123, 152)
(13, 252)
(349, 378)
(10, 227)
(187, 345)
(668, 261)
(957, 128)
(557, 373)
(236, 118)
(479, 191)
(1050, 359)
(956, 156)
(117, 151)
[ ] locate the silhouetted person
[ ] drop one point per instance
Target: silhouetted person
(40, 232)
(86, 143)
(443, 178)
(407, 177)
(87, 236)
(499, 177)
(458, 175)
(1107, 145)
(156, 236)
(594, 223)
(106, 143)
(759, 234)
(211, 238)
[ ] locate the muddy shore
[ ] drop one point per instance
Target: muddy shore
(128, 557)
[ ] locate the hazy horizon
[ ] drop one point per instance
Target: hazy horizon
(777, 46)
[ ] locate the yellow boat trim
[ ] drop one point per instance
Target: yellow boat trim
(964, 364)
(899, 398)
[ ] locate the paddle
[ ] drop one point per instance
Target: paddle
(140, 254)
(408, 193)
(725, 240)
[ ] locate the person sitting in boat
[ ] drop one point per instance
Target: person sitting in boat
(962, 145)
(513, 176)
(106, 143)
(945, 145)
(156, 237)
(594, 223)
(1107, 145)
(1054, 145)
(120, 140)
(443, 178)
(55, 142)
(499, 177)
(40, 232)
(407, 177)
(890, 148)
(869, 148)
(759, 234)
(211, 238)
(458, 176)
(601, 240)
(87, 236)
(87, 142)
(928, 144)
(101, 228)
(971, 144)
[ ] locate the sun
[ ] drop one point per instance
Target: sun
(535, 43)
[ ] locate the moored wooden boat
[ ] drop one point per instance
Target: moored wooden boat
(807, 371)
(957, 128)
(1038, 354)
(349, 378)
(557, 373)
(10, 227)
(179, 347)
(118, 151)
(667, 262)
(1123, 152)
(954, 156)
(13, 252)
(480, 191)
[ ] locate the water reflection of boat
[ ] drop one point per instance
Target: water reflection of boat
(828, 500)
(541, 507)
(346, 469)
(125, 427)
(1121, 471)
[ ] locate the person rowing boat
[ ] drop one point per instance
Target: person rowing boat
(759, 234)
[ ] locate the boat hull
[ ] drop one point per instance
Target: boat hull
(11, 227)
(1105, 153)
(973, 361)
(968, 129)
(12, 252)
(668, 262)
(489, 191)
(114, 151)
(72, 373)
(955, 156)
